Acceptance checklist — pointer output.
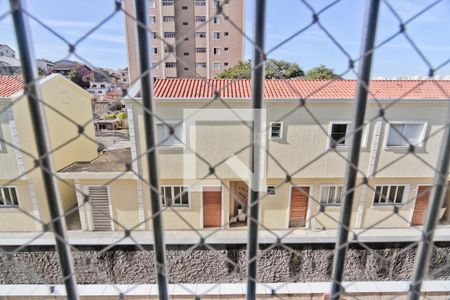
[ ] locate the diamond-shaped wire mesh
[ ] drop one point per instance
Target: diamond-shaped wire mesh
(354, 199)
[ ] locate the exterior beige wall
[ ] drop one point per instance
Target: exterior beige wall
(13, 219)
(8, 159)
(123, 202)
(70, 100)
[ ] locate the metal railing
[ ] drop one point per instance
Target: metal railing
(51, 179)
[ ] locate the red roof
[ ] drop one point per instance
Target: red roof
(9, 85)
(191, 88)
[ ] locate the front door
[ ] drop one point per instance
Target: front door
(420, 207)
(212, 207)
(299, 206)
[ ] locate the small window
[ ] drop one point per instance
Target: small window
(217, 66)
(276, 130)
(164, 136)
(216, 35)
(186, 69)
(404, 134)
(177, 196)
(200, 34)
(186, 53)
(271, 190)
(185, 23)
(152, 3)
(154, 35)
(389, 194)
(331, 194)
(171, 65)
(155, 50)
(201, 65)
(200, 19)
(225, 64)
(186, 38)
(225, 49)
(226, 33)
(152, 19)
(155, 65)
(216, 20)
(184, 7)
(169, 50)
(200, 2)
(167, 3)
(169, 35)
(200, 50)
(339, 134)
(8, 196)
(216, 51)
(168, 18)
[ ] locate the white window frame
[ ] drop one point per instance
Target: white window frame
(200, 19)
(170, 62)
(169, 36)
(365, 136)
(390, 204)
(2, 195)
(167, 2)
(415, 122)
(200, 2)
(167, 19)
(214, 66)
(216, 20)
(172, 191)
(182, 137)
(152, 19)
(274, 187)
(201, 65)
(152, 4)
(200, 34)
(328, 186)
(214, 35)
(203, 48)
(281, 130)
(218, 52)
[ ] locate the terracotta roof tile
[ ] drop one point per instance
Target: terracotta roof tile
(10, 85)
(191, 88)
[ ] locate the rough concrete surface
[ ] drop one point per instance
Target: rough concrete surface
(293, 263)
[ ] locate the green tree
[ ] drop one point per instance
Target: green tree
(275, 69)
(242, 70)
(321, 72)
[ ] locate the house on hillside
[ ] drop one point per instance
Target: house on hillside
(305, 169)
(23, 200)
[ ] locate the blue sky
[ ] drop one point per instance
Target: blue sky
(106, 46)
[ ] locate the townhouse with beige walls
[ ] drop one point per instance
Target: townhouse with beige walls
(203, 133)
(23, 204)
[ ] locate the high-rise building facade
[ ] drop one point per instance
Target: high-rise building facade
(191, 38)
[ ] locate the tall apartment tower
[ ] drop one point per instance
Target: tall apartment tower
(204, 42)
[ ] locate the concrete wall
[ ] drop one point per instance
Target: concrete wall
(61, 96)
(226, 264)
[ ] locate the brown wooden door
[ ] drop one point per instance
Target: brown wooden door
(212, 208)
(420, 207)
(299, 206)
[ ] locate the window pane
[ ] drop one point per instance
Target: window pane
(394, 137)
(163, 198)
(384, 191)
(185, 197)
(412, 132)
(400, 191)
(331, 195)
(325, 191)
(338, 132)
(14, 196)
(168, 195)
(7, 196)
(338, 195)
(160, 132)
(176, 195)
(377, 195)
(392, 194)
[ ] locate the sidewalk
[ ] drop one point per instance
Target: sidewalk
(222, 236)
